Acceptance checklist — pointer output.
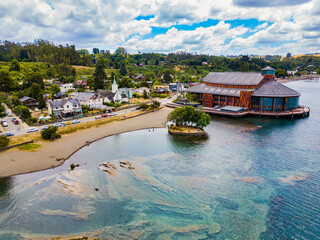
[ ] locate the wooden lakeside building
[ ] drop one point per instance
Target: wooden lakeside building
(254, 93)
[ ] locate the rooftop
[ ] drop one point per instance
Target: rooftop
(234, 78)
(202, 88)
(275, 89)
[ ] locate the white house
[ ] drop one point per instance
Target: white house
(64, 108)
(66, 87)
(92, 100)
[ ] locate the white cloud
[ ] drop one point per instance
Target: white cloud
(108, 24)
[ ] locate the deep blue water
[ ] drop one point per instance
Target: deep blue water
(253, 178)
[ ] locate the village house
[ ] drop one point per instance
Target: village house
(92, 100)
(29, 102)
(64, 108)
(66, 87)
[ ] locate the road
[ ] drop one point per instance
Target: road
(22, 128)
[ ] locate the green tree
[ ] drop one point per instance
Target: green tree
(95, 50)
(188, 116)
(50, 133)
(23, 112)
(2, 111)
(143, 106)
(245, 67)
(99, 76)
(54, 89)
(145, 94)
(150, 76)
(4, 141)
(167, 76)
(7, 83)
(14, 65)
(34, 77)
(126, 82)
(281, 73)
(123, 69)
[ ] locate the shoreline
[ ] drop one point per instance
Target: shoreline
(54, 154)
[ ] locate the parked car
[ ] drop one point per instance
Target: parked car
(57, 125)
(9, 115)
(8, 134)
(32, 129)
(13, 119)
(68, 123)
(44, 127)
(98, 117)
(113, 114)
(36, 109)
(75, 121)
(16, 122)
(104, 115)
(4, 123)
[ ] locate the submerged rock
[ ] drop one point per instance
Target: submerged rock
(73, 166)
(108, 165)
(126, 164)
(295, 178)
(251, 129)
(228, 204)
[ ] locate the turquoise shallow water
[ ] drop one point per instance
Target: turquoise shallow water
(253, 178)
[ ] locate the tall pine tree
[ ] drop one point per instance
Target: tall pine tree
(99, 76)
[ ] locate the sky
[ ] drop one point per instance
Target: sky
(215, 27)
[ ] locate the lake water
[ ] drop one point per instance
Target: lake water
(253, 178)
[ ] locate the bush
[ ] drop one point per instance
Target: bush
(4, 141)
(143, 106)
(136, 95)
(116, 105)
(33, 120)
(50, 133)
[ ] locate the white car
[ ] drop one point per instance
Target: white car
(112, 114)
(30, 130)
(4, 123)
(44, 127)
(75, 121)
(57, 125)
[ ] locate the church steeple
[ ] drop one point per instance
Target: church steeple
(114, 86)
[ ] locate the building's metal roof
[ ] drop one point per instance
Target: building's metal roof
(267, 69)
(274, 89)
(202, 88)
(61, 103)
(234, 78)
(27, 98)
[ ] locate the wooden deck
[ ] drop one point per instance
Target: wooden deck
(296, 113)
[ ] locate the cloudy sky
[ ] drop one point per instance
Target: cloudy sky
(218, 27)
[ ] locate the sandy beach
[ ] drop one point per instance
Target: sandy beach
(15, 162)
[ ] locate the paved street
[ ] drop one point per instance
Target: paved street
(22, 127)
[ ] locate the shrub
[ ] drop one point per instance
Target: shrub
(143, 106)
(50, 133)
(136, 95)
(33, 120)
(4, 141)
(116, 105)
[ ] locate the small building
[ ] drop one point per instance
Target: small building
(140, 77)
(66, 87)
(29, 102)
(92, 100)
(60, 95)
(175, 87)
(64, 108)
(80, 83)
(126, 91)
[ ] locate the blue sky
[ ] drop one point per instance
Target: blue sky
(219, 27)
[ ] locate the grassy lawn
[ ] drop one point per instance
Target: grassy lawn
(30, 147)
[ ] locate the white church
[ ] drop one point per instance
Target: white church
(115, 95)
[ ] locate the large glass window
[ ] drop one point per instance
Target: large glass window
(292, 103)
(267, 104)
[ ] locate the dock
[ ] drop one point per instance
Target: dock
(300, 112)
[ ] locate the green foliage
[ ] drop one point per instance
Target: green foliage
(14, 65)
(7, 83)
(50, 133)
(2, 111)
(126, 82)
(191, 97)
(34, 77)
(188, 116)
(123, 69)
(85, 109)
(145, 94)
(245, 67)
(33, 120)
(95, 50)
(281, 73)
(143, 106)
(54, 89)
(136, 95)
(155, 104)
(23, 112)
(83, 51)
(116, 105)
(99, 76)
(4, 141)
